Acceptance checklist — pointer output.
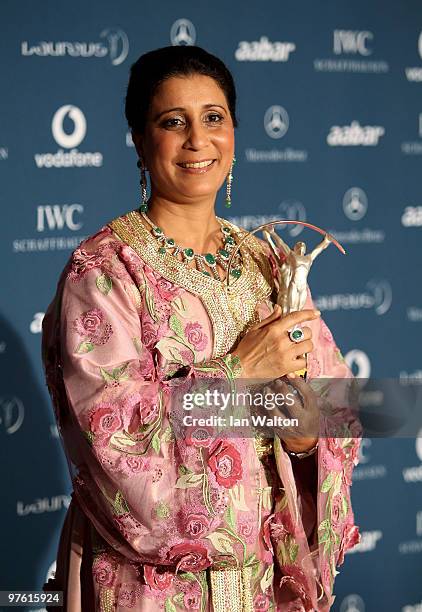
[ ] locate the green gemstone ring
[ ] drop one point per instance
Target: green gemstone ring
(296, 334)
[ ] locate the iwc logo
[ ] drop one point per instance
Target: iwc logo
(182, 33)
(276, 121)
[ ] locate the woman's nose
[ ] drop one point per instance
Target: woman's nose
(197, 136)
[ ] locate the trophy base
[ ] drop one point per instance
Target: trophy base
(302, 373)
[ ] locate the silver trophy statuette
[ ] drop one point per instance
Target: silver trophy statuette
(294, 270)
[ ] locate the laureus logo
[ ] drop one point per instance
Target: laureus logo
(355, 203)
(276, 121)
(293, 210)
(382, 295)
(11, 414)
(182, 33)
(77, 135)
(118, 45)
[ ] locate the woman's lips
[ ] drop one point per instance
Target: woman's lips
(198, 170)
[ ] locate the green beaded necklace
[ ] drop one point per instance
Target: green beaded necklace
(203, 261)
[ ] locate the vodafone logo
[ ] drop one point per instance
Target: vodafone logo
(79, 126)
(359, 363)
(68, 128)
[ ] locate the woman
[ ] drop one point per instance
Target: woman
(163, 520)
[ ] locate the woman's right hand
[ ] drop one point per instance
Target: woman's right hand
(266, 351)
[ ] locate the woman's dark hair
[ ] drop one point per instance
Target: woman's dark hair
(154, 67)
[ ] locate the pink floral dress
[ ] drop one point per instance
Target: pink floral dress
(159, 521)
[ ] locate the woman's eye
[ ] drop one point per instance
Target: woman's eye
(219, 117)
(170, 122)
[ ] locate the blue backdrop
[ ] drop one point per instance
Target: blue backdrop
(330, 132)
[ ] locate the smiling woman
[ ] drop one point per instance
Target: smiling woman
(162, 517)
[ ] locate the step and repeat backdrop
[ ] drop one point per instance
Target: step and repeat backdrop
(330, 132)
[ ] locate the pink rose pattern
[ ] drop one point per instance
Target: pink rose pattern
(188, 549)
(195, 336)
(226, 463)
(92, 327)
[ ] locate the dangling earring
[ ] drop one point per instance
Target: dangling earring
(143, 182)
(229, 185)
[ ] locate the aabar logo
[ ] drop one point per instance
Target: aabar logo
(368, 542)
(412, 216)
(355, 135)
(264, 51)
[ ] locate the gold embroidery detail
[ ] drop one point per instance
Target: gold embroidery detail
(263, 445)
(106, 600)
(231, 589)
(231, 309)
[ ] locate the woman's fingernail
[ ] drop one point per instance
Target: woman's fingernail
(317, 312)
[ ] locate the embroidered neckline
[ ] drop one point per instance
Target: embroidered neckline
(231, 308)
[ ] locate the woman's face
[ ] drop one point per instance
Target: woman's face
(188, 121)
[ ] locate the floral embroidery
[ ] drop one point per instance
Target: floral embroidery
(104, 570)
(128, 525)
(91, 326)
(226, 463)
(194, 525)
(195, 336)
(189, 557)
(82, 262)
(192, 600)
(160, 581)
(350, 538)
(261, 603)
(200, 437)
(149, 333)
(128, 594)
(105, 419)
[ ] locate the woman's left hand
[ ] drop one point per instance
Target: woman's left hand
(301, 403)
